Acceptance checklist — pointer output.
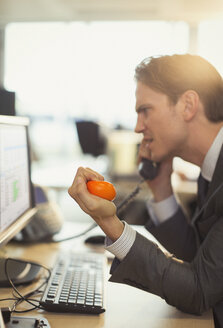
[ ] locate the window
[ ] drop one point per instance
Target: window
(82, 69)
(210, 33)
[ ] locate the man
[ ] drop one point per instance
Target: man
(179, 103)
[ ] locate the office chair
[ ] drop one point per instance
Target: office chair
(7, 102)
(91, 138)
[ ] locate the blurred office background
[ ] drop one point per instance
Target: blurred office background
(69, 60)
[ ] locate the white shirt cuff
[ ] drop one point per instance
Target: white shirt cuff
(122, 245)
(162, 211)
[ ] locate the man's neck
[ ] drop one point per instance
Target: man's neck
(200, 141)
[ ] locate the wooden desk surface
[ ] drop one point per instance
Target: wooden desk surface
(125, 306)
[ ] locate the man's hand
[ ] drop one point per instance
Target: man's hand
(101, 210)
(161, 185)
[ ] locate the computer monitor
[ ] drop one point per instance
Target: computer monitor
(16, 195)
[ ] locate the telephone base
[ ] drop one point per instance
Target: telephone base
(27, 322)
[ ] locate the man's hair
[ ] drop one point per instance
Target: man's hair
(173, 75)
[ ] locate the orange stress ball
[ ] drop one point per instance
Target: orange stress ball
(101, 189)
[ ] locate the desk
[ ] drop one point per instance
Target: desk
(125, 306)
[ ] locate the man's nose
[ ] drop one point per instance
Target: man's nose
(139, 125)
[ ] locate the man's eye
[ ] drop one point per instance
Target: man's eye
(146, 111)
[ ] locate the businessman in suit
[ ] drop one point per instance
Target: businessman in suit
(179, 106)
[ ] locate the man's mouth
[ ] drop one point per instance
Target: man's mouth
(149, 141)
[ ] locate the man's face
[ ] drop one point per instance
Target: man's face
(160, 122)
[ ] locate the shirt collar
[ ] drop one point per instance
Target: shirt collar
(210, 160)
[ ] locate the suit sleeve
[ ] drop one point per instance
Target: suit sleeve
(176, 235)
(191, 287)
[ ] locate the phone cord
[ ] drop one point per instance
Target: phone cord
(129, 198)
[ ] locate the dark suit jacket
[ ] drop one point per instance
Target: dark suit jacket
(190, 277)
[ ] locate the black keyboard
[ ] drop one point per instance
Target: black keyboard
(76, 284)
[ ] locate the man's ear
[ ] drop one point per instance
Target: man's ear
(190, 100)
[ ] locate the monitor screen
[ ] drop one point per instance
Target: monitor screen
(16, 196)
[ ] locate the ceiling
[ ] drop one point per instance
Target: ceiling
(69, 10)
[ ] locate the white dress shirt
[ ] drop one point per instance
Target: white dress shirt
(161, 211)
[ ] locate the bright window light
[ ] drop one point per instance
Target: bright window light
(84, 70)
(210, 34)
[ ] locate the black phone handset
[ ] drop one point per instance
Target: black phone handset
(148, 170)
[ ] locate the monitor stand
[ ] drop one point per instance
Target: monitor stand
(20, 272)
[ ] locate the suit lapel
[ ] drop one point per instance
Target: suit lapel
(215, 182)
(217, 176)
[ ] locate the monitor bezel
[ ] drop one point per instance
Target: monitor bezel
(24, 218)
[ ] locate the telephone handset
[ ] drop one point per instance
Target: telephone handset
(148, 169)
